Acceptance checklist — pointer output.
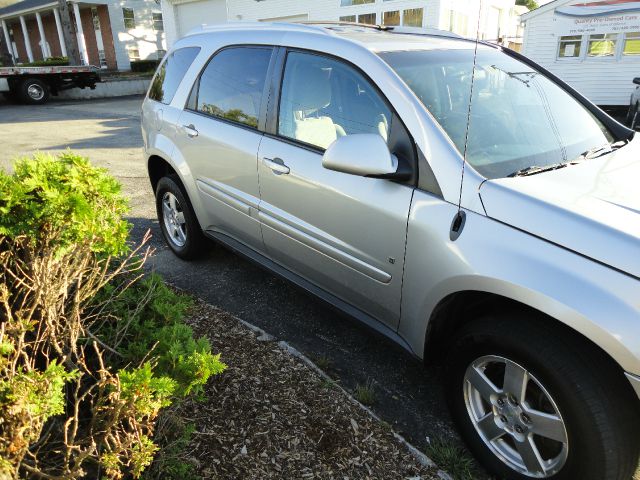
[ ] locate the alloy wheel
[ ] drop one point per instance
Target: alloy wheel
(515, 416)
(174, 221)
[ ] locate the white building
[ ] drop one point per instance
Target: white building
(594, 45)
(460, 16)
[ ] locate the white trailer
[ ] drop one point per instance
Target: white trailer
(34, 85)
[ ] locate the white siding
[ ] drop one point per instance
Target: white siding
(143, 37)
(604, 81)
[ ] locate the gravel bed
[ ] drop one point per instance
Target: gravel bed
(270, 415)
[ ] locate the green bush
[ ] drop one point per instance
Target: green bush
(144, 65)
(90, 352)
(48, 62)
(65, 199)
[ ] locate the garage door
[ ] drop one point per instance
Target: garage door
(289, 19)
(193, 14)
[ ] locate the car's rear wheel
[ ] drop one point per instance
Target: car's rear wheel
(533, 401)
(34, 91)
(178, 221)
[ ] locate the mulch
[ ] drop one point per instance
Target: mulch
(270, 415)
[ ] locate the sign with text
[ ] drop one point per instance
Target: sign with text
(608, 16)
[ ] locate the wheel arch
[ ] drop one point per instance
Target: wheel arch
(459, 308)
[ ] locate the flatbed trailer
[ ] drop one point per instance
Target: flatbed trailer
(34, 85)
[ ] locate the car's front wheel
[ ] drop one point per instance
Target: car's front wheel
(532, 401)
(178, 221)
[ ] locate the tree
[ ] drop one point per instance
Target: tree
(530, 4)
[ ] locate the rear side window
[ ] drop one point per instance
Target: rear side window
(232, 85)
(170, 74)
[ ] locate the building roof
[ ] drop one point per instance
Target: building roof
(541, 9)
(25, 5)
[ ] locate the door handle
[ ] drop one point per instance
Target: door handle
(276, 165)
(190, 130)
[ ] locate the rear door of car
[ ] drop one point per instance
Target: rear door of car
(219, 134)
(343, 233)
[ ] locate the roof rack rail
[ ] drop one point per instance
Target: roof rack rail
(338, 23)
(203, 28)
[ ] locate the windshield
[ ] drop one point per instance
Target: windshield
(519, 118)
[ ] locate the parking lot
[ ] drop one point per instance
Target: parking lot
(108, 132)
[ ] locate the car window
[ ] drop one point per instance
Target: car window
(519, 118)
(170, 74)
(232, 84)
(323, 99)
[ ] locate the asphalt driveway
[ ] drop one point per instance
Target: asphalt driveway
(409, 396)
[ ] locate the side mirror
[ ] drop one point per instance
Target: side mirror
(363, 154)
(636, 80)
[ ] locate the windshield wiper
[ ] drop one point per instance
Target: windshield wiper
(532, 170)
(588, 155)
(602, 150)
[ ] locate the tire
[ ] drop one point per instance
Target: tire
(33, 91)
(634, 121)
(181, 232)
(593, 408)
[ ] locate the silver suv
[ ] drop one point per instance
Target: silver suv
(486, 218)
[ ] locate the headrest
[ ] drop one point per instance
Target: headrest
(310, 87)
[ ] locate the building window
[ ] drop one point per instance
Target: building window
(391, 18)
(458, 23)
(129, 18)
(158, 26)
(134, 54)
(631, 43)
(348, 3)
(412, 17)
(602, 45)
(569, 46)
(348, 18)
(369, 18)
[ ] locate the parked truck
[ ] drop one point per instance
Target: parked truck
(34, 85)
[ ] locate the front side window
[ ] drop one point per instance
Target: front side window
(323, 99)
(232, 85)
(168, 77)
(569, 46)
(631, 43)
(602, 45)
(519, 117)
(129, 18)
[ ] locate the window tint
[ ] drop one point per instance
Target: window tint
(231, 86)
(170, 74)
(323, 99)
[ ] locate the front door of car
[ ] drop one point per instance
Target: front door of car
(342, 232)
(218, 134)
